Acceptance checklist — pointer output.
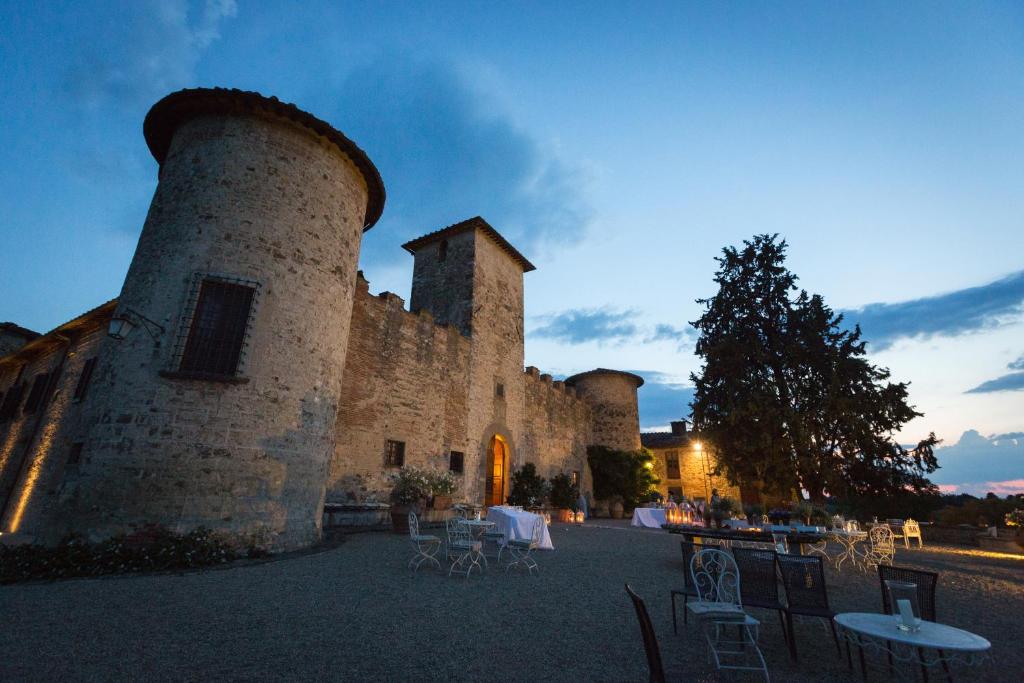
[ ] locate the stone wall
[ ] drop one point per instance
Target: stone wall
(406, 379)
(248, 194)
(557, 428)
(34, 447)
(615, 415)
(692, 474)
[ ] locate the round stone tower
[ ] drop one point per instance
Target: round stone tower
(215, 398)
(612, 397)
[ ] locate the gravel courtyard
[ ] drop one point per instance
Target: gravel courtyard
(354, 612)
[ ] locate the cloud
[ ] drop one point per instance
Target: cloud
(662, 399)
(447, 154)
(150, 50)
(605, 326)
(955, 313)
(1011, 382)
(978, 464)
(578, 326)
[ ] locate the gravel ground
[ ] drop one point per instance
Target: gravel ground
(353, 612)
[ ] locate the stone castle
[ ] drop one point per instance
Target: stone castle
(245, 375)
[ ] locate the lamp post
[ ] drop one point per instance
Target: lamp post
(122, 324)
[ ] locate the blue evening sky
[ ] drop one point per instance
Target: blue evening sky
(620, 146)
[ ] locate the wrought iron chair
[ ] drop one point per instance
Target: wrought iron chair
(495, 538)
(650, 639)
(882, 547)
(463, 551)
(911, 529)
(719, 609)
(759, 586)
(425, 545)
(806, 594)
(688, 590)
(521, 548)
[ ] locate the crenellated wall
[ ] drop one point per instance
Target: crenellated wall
(406, 379)
(557, 427)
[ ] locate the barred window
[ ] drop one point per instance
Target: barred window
(11, 401)
(37, 393)
(394, 454)
(456, 462)
(83, 379)
(215, 337)
(672, 464)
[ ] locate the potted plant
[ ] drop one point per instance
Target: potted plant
(616, 508)
(529, 489)
(409, 490)
(564, 495)
(442, 484)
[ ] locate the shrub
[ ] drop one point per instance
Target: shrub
(443, 483)
(627, 474)
(153, 548)
(529, 489)
(564, 493)
(410, 485)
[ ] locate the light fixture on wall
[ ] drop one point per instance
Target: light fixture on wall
(122, 324)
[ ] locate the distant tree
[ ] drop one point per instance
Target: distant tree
(629, 474)
(786, 396)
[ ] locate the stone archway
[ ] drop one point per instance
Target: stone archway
(495, 472)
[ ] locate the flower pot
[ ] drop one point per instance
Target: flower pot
(442, 502)
(400, 517)
(616, 510)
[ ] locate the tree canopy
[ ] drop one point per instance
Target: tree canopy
(786, 394)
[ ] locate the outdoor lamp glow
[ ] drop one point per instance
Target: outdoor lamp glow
(579, 517)
(697, 446)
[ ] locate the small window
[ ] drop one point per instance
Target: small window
(37, 393)
(219, 325)
(499, 390)
(575, 477)
(75, 454)
(676, 492)
(672, 464)
(442, 250)
(11, 402)
(83, 379)
(394, 454)
(456, 462)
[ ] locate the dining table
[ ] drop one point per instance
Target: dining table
(848, 540)
(650, 518)
(518, 524)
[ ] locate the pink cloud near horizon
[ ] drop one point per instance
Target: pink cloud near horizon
(1000, 488)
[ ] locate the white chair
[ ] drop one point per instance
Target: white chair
(425, 545)
(911, 529)
(719, 611)
(463, 551)
(881, 547)
(521, 548)
(496, 539)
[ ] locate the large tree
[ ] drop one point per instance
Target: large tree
(786, 394)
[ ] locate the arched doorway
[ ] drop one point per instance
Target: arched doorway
(494, 475)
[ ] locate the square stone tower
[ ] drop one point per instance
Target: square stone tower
(469, 276)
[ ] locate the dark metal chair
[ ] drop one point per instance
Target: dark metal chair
(926, 582)
(806, 594)
(650, 639)
(688, 590)
(759, 585)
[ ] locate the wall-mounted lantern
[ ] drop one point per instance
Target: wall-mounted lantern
(122, 324)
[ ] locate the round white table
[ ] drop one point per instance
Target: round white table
(932, 644)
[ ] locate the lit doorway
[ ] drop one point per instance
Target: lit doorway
(494, 484)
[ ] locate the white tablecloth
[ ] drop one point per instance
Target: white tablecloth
(652, 518)
(518, 524)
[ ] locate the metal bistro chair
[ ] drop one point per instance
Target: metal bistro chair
(881, 549)
(521, 548)
(463, 551)
(657, 672)
(425, 545)
(759, 586)
(688, 590)
(496, 539)
(719, 609)
(911, 529)
(806, 594)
